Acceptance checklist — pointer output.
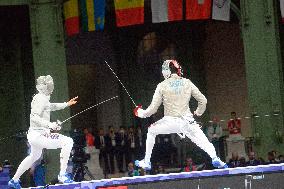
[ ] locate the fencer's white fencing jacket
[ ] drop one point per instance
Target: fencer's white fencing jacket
(175, 94)
(40, 111)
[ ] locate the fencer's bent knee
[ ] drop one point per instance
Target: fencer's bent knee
(35, 156)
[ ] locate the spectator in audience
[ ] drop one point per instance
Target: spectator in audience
(281, 158)
(242, 162)
(131, 171)
(158, 169)
(252, 160)
(101, 142)
(142, 172)
(271, 158)
(214, 132)
(261, 160)
(112, 148)
(131, 145)
(121, 147)
(90, 139)
(275, 155)
(189, 166)
(140, 143)
(234, 124)
(234, 161)
(161, 169)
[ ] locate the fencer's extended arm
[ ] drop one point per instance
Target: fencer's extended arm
(37, 108)
(58, 106)
(202, 101)
(156, 102)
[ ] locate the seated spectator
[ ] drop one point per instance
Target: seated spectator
(160, 170)
(252, 160)
(271, 158)
(131, 171)
(142, 172)
(281, 158)
(261, 160)
(275, 155)
(242, 162)
(189, 166)
(234, 161)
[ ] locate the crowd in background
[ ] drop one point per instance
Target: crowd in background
(125, 145)
(120, 147)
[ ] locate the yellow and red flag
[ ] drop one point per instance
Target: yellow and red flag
(129, 12)
(71, 15)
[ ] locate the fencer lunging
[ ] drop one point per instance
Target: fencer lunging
(39, 135)
(175, 93)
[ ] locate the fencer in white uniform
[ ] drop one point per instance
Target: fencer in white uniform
(175, 93)
(39, 135)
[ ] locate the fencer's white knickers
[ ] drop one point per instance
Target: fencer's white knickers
(44, 139)
(185, 125)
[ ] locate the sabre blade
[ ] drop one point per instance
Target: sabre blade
(89, 108)
(121, 83)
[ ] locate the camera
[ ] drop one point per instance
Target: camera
(79, 155)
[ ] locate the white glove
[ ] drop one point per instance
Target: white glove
(140, 113)
(54, 126)
(197, 114)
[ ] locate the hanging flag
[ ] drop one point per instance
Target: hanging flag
(92, 14)
(71, 15)
(129, 12)
(221, 10)
(198, 9)
(99, 14)
(166, 10)
(282, 10)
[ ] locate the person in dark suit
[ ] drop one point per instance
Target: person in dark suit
(112, 147)
(101, 142)
(140, 143)
(131, 145)
(121, 148)
(234, 161)
(252, 160)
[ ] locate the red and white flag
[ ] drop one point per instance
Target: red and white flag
(166, 10)
(221, 10)
(198, 9)
(282, 10)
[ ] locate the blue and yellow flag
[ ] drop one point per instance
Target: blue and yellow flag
(92, 14)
